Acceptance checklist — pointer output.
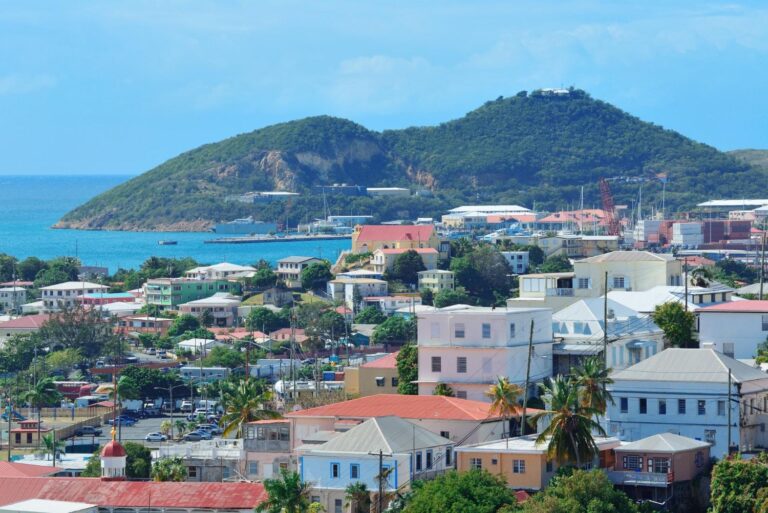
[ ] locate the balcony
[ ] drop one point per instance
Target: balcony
(641, 478)
(560, 292)
(253, 445)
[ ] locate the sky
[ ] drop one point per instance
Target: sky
(106, 87)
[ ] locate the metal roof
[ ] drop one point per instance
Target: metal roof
(629, 256)
(663, 442)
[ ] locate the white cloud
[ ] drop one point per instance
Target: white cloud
(18, 83)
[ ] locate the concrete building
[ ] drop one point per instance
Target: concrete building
(25, 324)
(289, 269)
(579, 332)
(469, 347)
(220, 271)
(522, 462)
(384, 259)
(391, 304)
(736, 329)
(169, 293)
(685, 391)
(208, 461)
(377, 377)
(144, 324)
(645, 301)
(352, 291)
(66, 295)
(268, 448)
(517, 260)
(436, 280)
(221, 306)
(11, 298)
(659, 468)
(369, 238)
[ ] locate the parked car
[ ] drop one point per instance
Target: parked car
(193, 436)
(151, 351)
(121, 420)
(186, 406)
(88, 431)
(205, 435)
(155, 437)
(210, 428)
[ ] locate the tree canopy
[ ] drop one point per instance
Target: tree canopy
(459, 492)
(677, 324)
(408, 370)
(315, 276)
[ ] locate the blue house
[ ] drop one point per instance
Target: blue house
(403, 450)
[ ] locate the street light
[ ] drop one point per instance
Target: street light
(170, 393)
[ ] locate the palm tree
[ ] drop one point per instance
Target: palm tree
(165, 427)
(244, 402)
(569, 433)
(52, 445)
(592, 378)
(44, 392)
(504, 396)
(383, 479)
(286, 494)
(180, 426)
(169, 469)
(358, 497)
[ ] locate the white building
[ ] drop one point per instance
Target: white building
(11, 298)
(222, 306)
(736, 328)
(468, 348)
(646, 301)
(353, 290)
(491, 209)
(517, 260)
(289, 269)
(436, 280)
(390, 304)
(196, 345)
(220, 271)
(64, 295)
(578, 330)
(685, 391)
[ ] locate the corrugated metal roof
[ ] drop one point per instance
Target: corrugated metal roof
(663, 442)
(390, 435)
(629, 256)
(690, 365)
(738, 307)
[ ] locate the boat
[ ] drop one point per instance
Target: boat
(246, 226)
(167, 242)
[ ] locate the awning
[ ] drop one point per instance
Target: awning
(639, 344)
(576, 349)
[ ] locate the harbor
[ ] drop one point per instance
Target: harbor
(285, 238)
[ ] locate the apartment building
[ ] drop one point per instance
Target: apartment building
(67, 294)
(170, 293)
(289, 269)
(736, 329)
(436, 280)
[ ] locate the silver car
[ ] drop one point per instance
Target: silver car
(155, 437)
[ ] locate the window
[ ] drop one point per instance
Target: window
(624, 404)
(618, 282)
(437, 364)
(518, 466)
(458, 330)
(253, 468)
(550, 466)
(395, 382)
(380, 382)
(583, 283)
(448, 456)
(314, 498)
(461, 364)
(475, 463)
(660, 465)
(445, 434)
(418, 460)
(681, 406)
(721, 408)
(429, 459)
(765, 322)
(643, 406)
(709, 436)
(338, 506)
(662, 407)
(335, 471)
(486, 330)
(512, 330)
(226, 472)
(354, 471)
(702, 407)
(461, 394)
(633, 462)
(192, 471)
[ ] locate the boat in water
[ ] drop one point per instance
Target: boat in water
(167, 242)
(246, 226)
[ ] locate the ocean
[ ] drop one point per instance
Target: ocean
(32, 204)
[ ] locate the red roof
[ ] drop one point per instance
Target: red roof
(237, 333)
(403, 406)
(400, 251)
(133, 494)
(385, 362)
(26, 322)
(372, 232)
(697, 261)
(25, 470)
(738, 307)
(113, 450)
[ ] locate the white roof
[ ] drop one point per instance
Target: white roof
(491, 209)
(120, 306)
(222, 267)
(217, 299)
(48, 506)
(12, 289)
(691, 366)
(629, 256)
(75, 285)
(734, 203)
(527, 445)
(482, 310)
(438, 271)
(663, 442)
(197, 342)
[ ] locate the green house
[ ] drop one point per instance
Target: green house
(169, 293)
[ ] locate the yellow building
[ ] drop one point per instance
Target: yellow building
(521, 462)
(384, 259)
(376, 377)
(436, 280)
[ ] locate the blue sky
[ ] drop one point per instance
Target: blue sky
(118, 87)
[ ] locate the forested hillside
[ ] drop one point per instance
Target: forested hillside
(529, 147)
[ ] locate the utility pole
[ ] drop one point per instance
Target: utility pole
(525, 390)
(9, 412)
(685, 270)
(729, 411)
(762, 267)
(605, 317)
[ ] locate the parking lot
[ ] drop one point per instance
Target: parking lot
(135, 433)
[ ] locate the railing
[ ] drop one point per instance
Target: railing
(267, 445)
(640, 478)
(560, 292)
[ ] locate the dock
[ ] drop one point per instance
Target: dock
(262, 239)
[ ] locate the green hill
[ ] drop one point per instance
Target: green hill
(529, 147)
(756, 158)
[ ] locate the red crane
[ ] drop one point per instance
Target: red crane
(614, 226)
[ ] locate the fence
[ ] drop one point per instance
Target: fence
(63, 413)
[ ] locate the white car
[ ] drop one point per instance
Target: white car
(155, 437)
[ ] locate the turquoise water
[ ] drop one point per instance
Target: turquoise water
(32, 204)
